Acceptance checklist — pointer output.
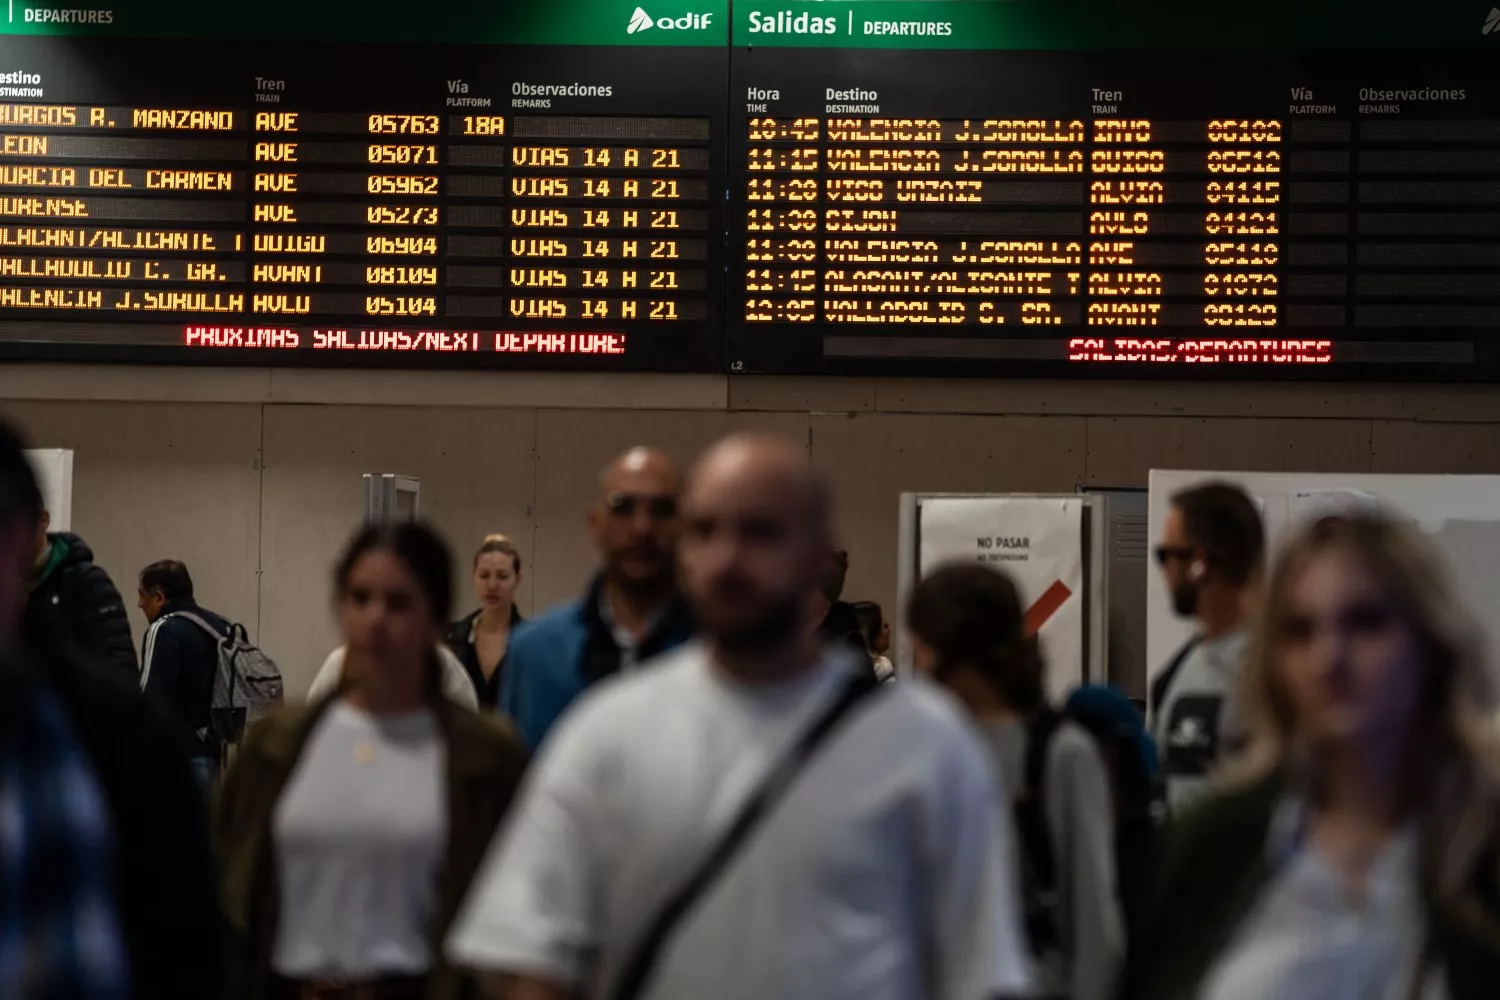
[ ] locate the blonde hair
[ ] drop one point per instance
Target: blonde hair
(501, 544)
(1453, 767)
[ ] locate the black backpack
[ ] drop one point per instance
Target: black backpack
(1129, 754)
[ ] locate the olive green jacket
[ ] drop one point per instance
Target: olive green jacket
(1212, 866)
(484, 765)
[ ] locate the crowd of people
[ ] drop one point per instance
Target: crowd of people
(703, 777)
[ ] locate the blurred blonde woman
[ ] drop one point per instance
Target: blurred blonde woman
(1352, 850)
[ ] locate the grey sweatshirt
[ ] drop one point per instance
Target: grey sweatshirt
(1080, 818)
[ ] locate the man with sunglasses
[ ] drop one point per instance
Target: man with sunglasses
(631, 612)
(1210, 558)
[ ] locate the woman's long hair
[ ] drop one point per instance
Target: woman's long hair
(1453, 763)
(426, 556)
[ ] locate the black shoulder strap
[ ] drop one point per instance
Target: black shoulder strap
(643, 957)
(199, 621)
(1032, 824)
(1163, 682)
(1039, 731)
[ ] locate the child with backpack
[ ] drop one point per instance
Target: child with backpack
(967, 627)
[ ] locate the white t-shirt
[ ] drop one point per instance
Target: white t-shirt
(457, 686)
(1308, 938)
(884, 874)
(360, 834)
(626, 641)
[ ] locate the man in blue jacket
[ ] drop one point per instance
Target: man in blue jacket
(631, 612)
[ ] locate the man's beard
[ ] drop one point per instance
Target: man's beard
(774, 629)
(657, 582)
(1185, 600)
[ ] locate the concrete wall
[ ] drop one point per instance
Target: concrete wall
(251, 476)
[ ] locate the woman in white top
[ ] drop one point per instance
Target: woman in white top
(1356, 851)
(347, 831)
(457, 685)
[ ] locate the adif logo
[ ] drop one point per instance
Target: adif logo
(1492, 23)
(640, 21)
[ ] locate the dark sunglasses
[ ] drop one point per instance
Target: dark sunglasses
(1167, 553)
(626, 504)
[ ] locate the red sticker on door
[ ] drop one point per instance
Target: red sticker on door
(1046, 606)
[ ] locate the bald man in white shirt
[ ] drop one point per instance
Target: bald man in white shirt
(884, 873)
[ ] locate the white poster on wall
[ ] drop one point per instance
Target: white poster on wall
(54, 473)
(1309, 505)
(1038, 541)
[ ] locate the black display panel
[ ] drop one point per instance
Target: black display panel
(370, 204)
(913, 187)
(1094, 212)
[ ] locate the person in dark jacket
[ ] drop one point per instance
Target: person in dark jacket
(179, 658)
(481, 640)
(70, 593)
(839, 622)
(109, 889)
(1354, 849)
(631, 612)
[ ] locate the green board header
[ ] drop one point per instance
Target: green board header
(643, 23)
(856, 24)
(1114, 24)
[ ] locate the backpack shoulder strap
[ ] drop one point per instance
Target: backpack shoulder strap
(1032, 828)
(199, 621)
(1163, 683)
(1039, 732)
(643, 956)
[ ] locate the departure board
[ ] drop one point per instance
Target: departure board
(422, 203)
(1295, 189)
(919, 188)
